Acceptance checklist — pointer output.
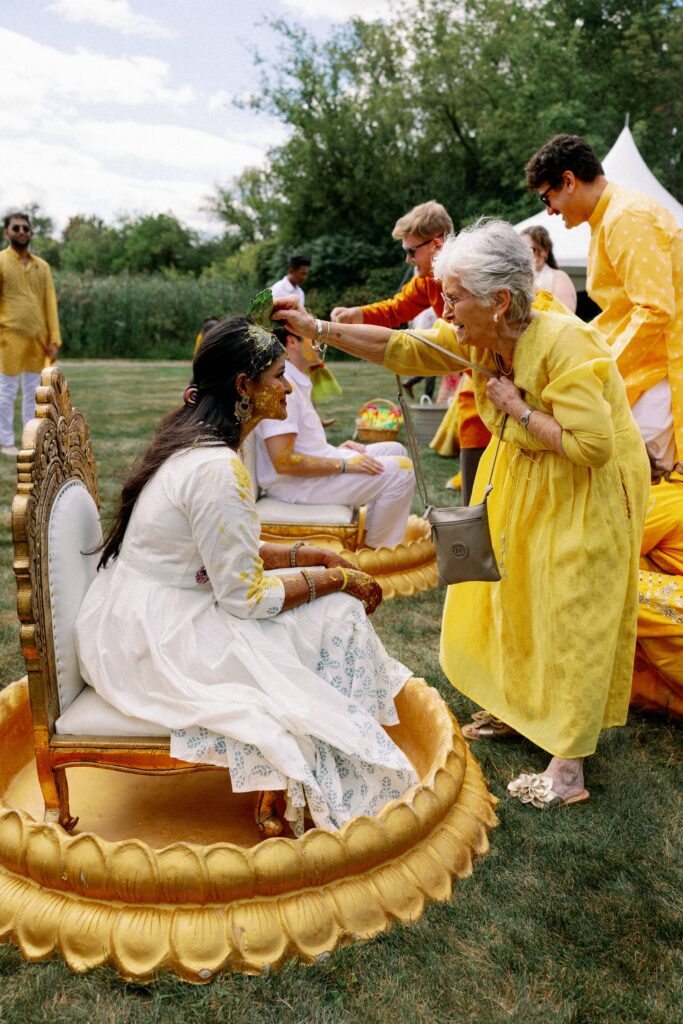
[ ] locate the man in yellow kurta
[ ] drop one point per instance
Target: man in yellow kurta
(635, 275)
(29, 324)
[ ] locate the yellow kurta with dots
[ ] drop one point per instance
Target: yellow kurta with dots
(635, 274)
(28, 314)
(549, 648)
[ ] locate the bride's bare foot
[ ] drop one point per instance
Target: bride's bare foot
(266, 815)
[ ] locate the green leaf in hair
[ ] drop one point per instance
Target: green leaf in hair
(260, 308)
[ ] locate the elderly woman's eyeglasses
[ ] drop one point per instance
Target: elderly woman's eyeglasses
(453, 301)
(413, 248)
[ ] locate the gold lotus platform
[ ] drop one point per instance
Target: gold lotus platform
(405, 569)
(168, 874)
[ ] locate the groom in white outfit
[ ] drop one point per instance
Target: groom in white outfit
(295, 463)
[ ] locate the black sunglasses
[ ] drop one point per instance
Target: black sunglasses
(413, 249)
(16, 228)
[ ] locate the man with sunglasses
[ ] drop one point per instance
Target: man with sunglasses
(422, 232)
(635, 275)
(29, 325)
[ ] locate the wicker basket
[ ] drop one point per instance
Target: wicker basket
(371, 435)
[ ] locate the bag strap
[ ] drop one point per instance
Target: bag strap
(415, 451)
(447, 352)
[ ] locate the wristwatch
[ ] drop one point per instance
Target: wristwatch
(525, 417)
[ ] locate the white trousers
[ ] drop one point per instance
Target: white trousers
(388, 495)
(652, 412)
(9, 387)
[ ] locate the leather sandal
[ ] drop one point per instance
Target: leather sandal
(485, 726)
(266, 816)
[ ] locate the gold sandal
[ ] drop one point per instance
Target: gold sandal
(266, 816)
(485, 726)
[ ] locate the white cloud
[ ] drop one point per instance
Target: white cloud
(80, 183)
(340, 10)
(114, 14)
(219, 99)
(171, 146)
(40, 79)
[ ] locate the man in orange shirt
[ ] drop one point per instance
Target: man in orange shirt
(422, 232)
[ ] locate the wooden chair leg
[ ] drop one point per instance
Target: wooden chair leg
(56, 797)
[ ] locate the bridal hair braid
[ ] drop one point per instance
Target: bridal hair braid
(232, 346)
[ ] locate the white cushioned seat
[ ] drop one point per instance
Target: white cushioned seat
(271, 510)
(89, 715)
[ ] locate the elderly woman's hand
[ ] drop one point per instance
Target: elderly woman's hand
(294, 317)
(505, 396)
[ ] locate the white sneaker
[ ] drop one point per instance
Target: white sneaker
(9, 449)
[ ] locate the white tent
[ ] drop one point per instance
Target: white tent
(624, 165)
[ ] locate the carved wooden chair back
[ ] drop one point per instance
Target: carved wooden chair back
(56, 529)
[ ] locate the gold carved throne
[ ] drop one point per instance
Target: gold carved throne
(55, 524)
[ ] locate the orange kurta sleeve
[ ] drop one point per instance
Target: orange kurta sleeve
(417, 295)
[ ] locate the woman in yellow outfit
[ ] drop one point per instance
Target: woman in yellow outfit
(548, 650)
(658, 674)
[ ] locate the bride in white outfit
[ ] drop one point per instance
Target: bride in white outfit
(253, 660)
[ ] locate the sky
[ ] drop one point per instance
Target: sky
(112, 107)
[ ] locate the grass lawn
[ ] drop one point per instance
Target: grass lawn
(574, 915)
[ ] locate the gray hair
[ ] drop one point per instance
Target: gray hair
(489, 256)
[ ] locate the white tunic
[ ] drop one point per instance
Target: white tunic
(185, 629)
(388, 495)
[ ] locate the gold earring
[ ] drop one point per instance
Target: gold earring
(243, 409)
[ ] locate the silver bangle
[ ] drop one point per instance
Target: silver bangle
(292, 552)
(311, 584)
(319, 329)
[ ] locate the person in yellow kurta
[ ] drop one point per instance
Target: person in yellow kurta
(635, 275)
(548, 650)
(29, 325)
(658, 673)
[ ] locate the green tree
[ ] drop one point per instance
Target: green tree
(156, 243)
(90, 246)
(448, 100)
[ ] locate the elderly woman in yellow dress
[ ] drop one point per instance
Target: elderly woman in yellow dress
(548, 650)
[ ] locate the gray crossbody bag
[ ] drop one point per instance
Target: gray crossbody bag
(461, 535)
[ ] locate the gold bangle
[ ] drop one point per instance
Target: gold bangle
(345, 577)
(292, 552)
(312, 594)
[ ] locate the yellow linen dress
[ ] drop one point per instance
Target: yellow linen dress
(658, 674)
(549, 649)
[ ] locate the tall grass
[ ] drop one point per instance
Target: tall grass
(141, 317)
